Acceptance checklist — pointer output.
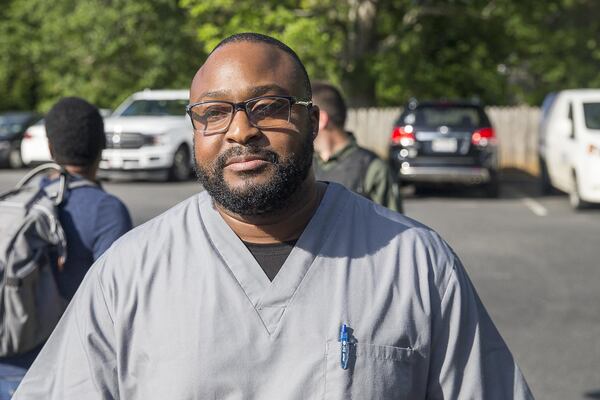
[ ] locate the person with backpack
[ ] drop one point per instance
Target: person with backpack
(57, 226)
(338, 158)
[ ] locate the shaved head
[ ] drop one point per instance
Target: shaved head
(250, 37)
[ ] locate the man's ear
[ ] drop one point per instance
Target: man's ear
(315, 120)
(323, 119)
(51, 151)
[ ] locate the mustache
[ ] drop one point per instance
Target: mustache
(240, 151)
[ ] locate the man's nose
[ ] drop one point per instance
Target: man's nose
(241, 130)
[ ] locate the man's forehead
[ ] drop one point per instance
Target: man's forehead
(247, 67)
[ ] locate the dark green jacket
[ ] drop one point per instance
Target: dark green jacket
(362, 171)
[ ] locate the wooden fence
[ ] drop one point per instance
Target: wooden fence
(516, 128)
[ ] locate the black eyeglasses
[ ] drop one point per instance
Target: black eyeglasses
(212, 117)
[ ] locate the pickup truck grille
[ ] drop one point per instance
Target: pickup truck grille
(126, 140)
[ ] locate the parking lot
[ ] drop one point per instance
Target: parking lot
(535, 263)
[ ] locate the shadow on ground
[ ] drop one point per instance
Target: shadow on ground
(592, 395)
(524, 183)
(514, 184)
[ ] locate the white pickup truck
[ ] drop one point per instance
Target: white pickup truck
(149, 136)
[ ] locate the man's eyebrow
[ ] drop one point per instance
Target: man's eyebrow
(252, 92)
(268, 89)
(214, 94)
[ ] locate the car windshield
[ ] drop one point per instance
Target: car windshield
(434, 116)
(591, 111)
(9, 125)
(139, 108)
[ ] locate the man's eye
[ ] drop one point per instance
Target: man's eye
(214, 114)
(265, 108)
(270, 108)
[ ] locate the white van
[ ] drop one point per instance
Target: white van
(569, 146)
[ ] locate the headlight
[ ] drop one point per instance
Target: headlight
(161, 140)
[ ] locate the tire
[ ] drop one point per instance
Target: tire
(545, 185)
(14, 158)
(181, 168)
(575, 198)
(492, 188)
(419, 190)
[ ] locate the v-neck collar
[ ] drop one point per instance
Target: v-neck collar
(270, 299)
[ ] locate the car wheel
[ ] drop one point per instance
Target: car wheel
(492, 188)
(419, 190)
(14, 158)
(545, 184)
(574, 197)
(181, 168)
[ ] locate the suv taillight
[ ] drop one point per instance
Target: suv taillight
(27, 135)
(403, 135)
(483, 137)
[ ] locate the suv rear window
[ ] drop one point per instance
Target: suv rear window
(591, 111)
(451, 115)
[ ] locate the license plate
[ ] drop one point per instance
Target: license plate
(444, 145)
(115, 163)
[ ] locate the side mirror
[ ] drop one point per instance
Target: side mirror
(565, 128)
(105, 112)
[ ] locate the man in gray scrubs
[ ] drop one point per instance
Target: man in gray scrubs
(270, 285)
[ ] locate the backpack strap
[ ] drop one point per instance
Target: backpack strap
(58, 195)
(30, 176)
(37, 171)
(57, 191)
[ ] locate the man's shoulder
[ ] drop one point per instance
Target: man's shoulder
(142, 245)
(368, 156)
(390, 232)
(367, 152)
(173, 219)
(368, 210)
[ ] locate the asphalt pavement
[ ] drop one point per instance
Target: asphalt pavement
(534, 261)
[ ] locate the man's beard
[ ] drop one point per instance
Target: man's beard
(260, 198)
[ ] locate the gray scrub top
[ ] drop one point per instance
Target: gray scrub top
(179, 309)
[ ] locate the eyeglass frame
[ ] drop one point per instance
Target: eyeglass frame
(242, 105)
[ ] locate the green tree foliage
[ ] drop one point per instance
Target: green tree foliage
(18, 78)
(101, 50)
(556, 45)
(381, 52)
(386, 51)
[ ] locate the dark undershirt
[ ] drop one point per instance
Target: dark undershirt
(271, 256)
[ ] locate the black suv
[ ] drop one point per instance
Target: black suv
(445, 142)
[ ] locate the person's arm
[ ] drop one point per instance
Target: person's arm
(469, 358)
(112, 221)
(79, 360)
(380, 186)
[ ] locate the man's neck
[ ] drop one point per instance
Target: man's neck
(338, 140)
(281, 226)
(88, 173)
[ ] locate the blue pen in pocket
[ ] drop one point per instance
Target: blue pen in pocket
(345, 346)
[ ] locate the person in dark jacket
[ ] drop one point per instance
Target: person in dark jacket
(92, 219)
(338, 158)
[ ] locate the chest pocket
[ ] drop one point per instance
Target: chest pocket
(374, 372)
